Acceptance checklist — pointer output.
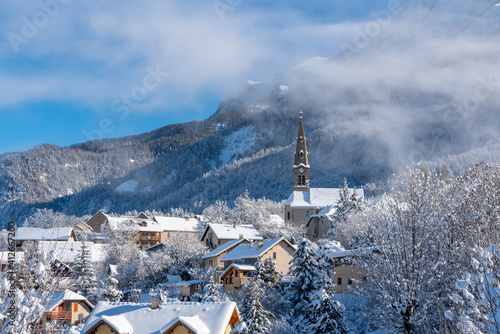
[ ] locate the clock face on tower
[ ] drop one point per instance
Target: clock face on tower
(301, 170)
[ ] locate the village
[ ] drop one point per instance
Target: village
(232, 253)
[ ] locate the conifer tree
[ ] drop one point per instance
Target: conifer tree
(213, 293)
(252, 312)
(111, 292)
(266, 271)
(84, 273)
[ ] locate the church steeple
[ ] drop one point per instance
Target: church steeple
(301, 166)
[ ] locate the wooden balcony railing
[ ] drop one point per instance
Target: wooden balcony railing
(64, 315)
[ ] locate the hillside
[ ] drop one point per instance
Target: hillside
(423, 88)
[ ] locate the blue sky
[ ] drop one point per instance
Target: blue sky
(72, 71)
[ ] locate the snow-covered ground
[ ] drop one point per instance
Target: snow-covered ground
(239, 142)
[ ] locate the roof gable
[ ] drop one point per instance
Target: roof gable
(253, 251)
(224, 247)
(230, 232)
(318, 197)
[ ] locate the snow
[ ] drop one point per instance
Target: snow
(177, 224)
(309, 62)
(222, 248)
(240, 267)
(317, 197)
(252, 251)
(237, 143)
(129, 186)
(191, 282)
(68, 252)
(135, 318)
(60, 296)
(32, 233)
(230, 232)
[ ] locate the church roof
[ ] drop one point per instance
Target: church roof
(317, 197)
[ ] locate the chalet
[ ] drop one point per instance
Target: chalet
(82, 226)
(213, 258)
(64, 308)
(216, 235)
(305, 201)
(150, 230)
(236, 275)
(189, 288)
(169, 318)
(40, 234)
(348, 275)
(279, 250)
(68, 252)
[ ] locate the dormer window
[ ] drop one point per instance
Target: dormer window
(301, 139)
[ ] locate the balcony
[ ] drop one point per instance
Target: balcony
(63, 315)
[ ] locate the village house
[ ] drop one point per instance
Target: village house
(348, 275)
(216, 235)
(24, 234)
(64, 308)
(213, 258)
(150, 230)
(239, 263)
(305, 201)
(171, 317)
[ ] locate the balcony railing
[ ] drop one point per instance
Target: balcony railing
(63, 315)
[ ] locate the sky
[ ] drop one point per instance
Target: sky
(74, 71)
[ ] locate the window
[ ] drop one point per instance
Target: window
(210, 263)
(301, 139)
(75, 307)
(308, 213)
(288, 215)
(339, 281)
(299, 180)
(168, 234)
(349, 281)
(303, 180)
(301, 155)
(274, 255)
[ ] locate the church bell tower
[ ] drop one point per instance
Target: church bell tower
(301, 166)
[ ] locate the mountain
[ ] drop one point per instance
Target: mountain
(418, 84)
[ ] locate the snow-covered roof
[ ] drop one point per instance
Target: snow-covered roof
(174, 278)
(78, 224)
(226, 231)
(60, 296)
(132, 318)
(240, 267)
(352, 252)
(224, 247)
(68, 251)
(191, 282)
(34, 233)
(253, 251)
(317, 197)
(161, 224)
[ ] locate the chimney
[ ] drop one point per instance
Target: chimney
(260, 243)
(155, 299)
(241, 236)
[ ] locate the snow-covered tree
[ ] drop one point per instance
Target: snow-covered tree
(212, 293)
(83, 272)
(476, 299)
(110, 291)
(251, 310)
(266, 271)
(324, 314)
(305, 271)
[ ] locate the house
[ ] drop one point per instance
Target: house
(236, 275)
(43, 234)
(305, 201)
(216, 235)
(66, 308)
(150, 230)
(82, 226)
(213, 258)
(189, 288)
(69, 251)
(348, 275)
(171, 317)
(279, 250)
(7, 258)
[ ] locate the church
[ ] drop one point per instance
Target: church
(305, 201)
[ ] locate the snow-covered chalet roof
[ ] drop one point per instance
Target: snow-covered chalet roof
(226, 231)
(34, 233)
(60, 296)
(68, 252)
(247, 251)
(161, 224)
(317, 197)
(191, 282)
(132, 318)
(222, 248)
(240, 267)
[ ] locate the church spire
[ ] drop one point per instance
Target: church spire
(301, 166)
